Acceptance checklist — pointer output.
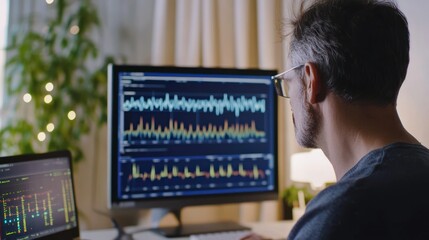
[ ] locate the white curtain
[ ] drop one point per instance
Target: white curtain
(207, 33)
(219, 33)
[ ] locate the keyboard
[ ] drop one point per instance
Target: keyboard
(274, 231)
(230, 235)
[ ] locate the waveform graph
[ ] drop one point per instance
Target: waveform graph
(159, 120)
(22, 213)
(150, 177)
(156, 129)
(217, 104)
(36, 206)
(220, 172)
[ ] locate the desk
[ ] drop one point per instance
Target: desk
(271, 229)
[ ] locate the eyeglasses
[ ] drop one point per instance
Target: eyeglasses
(280, 84)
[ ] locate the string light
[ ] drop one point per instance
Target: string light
(50, 127)
(41, 136)
(74, 29)
(71, 115)
(49, 1)
(27, 97)
(49, 87)
(48, 99)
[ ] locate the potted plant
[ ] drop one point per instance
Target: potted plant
(290, 199)
(55, 92)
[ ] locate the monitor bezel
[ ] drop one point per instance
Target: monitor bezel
(178, 201)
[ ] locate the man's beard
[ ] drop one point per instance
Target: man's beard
(307, 132)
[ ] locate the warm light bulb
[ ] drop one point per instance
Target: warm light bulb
(27, 97)
(74, 29)
(50, 127)
(71, 115)
(49, 86)
(49, 1)
(41, 136)
(48, 99)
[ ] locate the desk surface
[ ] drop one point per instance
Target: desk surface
(275, 230)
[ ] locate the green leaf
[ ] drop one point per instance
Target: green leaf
(60, 58)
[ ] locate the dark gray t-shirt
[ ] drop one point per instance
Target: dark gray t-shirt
(384, 196)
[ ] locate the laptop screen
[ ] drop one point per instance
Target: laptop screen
(37, 197)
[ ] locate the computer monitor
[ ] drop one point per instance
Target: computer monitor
(190, 136)
(37, 198)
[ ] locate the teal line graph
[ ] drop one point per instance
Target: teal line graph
(219, 106)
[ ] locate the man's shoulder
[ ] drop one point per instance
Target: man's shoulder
(361, 210)
(385, 193)
(383, 170)
(326, 214)
(391, 174)
(415, 151)
(391, 157)
(391, 167)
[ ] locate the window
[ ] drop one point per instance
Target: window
(4, 16)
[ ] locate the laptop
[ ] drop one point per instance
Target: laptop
(37, 198)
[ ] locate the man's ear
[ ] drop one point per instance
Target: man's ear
(313, 82)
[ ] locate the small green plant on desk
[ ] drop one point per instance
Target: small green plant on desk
(290, 199)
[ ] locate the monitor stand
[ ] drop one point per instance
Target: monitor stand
(122, 235)
(187, 229)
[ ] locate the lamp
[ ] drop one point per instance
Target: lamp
(312, 167)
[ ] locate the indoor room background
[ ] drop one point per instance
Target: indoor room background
(211, 33)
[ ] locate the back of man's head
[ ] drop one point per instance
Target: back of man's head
(360, 47)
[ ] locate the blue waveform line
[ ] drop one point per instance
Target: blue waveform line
(212, 104)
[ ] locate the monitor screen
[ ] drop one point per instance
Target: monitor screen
(190, 136)
(37, 197)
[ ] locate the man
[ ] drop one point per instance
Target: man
(349, 60)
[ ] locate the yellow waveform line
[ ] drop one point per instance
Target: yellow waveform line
(66, 212)
(45, 214)
(178, 130)
(4, 209)
(24, 217)
(37, 205)
(18, 223)
(152, 175)
(51, 221)
(69, 198)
